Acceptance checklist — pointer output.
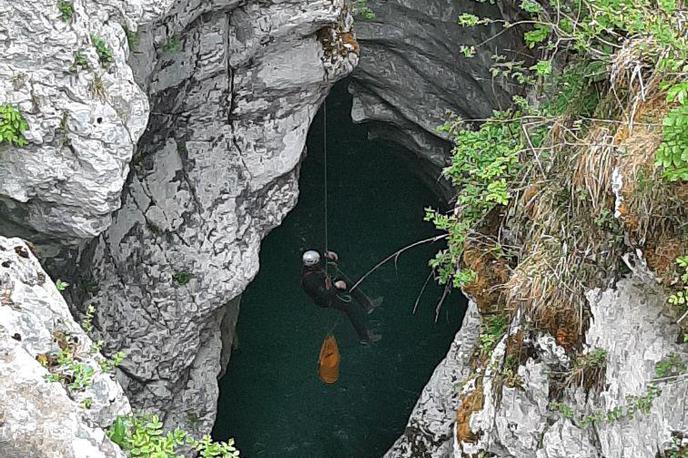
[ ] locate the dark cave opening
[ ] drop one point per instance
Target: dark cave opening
(271, 399)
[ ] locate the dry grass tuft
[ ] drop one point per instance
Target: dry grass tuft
(594, 167)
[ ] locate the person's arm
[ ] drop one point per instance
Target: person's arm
(332, 256)
(321, 285)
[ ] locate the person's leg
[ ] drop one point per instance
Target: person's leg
(367, 304)
(356, 320)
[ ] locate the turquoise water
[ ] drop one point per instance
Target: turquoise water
(271, 400)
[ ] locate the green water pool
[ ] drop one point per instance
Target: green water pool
(271, 399)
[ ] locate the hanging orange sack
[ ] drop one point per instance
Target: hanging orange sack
(328, 364)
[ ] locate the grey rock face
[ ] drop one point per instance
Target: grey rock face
(233, 88)
(83, 122)
(412, 74)
(40, 418)
(631, 324)
(430, 429)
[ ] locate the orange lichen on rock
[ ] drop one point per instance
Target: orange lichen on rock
(470, 402)
(349, 39)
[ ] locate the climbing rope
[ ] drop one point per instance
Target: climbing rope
(327, 247)
(325, 162)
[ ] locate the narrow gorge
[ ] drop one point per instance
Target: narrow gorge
(165, 164)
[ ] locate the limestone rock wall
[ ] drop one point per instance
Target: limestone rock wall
(412, 74)
(84, 120)
(233, 87)
(39, 418)
(630, 322)
(430, 429)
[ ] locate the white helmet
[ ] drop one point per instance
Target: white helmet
(311, 258)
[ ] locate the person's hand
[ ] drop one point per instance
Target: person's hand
(331, 255)
(328, 283)
(340, 284)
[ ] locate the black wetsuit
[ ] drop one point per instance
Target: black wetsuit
(314, 282)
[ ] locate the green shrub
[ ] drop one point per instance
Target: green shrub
(12, 126)
(633, 406)
(75, 375)
(103, 50)
(484, 163)
(492, 329)
(182, 277)
(66, 10)
(133, 39)
(672, 154)
(173, 44)
(80, 62)
(576, 43)
(361, 8)
(670, 366)
(143, 437)
(61, 285)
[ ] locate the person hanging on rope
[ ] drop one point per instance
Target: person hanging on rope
(325, 292)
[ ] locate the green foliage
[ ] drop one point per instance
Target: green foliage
(492, 328)
(670, 366)
(362, 9)
(87, 323)
(582, 37)
(465, 277)
(173, 44)
(103, 50)
(594, 359)
(109, 365)
(672, 154)
(468, 51)
(61, 285)
(634, 405)
(536, 36)
(143, 437)
(87, 403)
(210, 449)
(12, 126)
(677, 449)
(66, 10)
(542, 68)
(591, 32)
(182, 277)
(133, 39)
(680, 297)
(80, 62)
(75, 375)
(484, 163)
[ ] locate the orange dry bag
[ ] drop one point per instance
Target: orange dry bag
(328, 364)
